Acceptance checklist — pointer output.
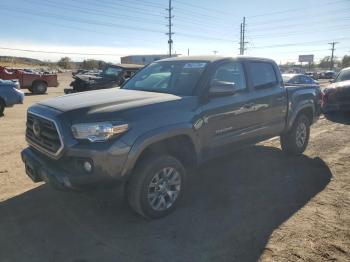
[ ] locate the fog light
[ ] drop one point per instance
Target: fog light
(87, 166)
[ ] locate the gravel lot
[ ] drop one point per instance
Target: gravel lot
(257, 204)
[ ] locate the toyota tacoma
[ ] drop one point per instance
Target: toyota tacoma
(168, 118)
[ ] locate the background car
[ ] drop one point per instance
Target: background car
(327, 75)
(336, 97)
(9, 94)
(298, 79)
(313, 75)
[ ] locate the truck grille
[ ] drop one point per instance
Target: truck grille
(42, 134)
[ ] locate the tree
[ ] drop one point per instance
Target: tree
(325, 62)
(65, 63)
(345, 61)
(91, 64)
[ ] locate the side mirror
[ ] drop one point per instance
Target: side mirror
(221, 88)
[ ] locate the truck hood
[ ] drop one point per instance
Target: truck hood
(107, 100)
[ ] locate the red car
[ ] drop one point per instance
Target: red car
(34, 82)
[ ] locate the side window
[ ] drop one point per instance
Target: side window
(231, 73)
(295, 80)
(262, 74)
(305, 80)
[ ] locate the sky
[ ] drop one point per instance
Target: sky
(109, 29)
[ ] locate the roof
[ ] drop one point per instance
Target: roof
(127, 66)
(291, 75)
(215, 58)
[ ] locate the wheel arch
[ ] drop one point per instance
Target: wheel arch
(307, 108)
(180, 143)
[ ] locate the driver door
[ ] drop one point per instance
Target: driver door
(227, 120)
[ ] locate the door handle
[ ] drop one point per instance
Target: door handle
(280, 99)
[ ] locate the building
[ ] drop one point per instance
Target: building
(142, 59)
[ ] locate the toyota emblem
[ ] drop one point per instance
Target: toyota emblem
(36, 128)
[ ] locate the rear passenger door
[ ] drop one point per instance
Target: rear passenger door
(270, 97)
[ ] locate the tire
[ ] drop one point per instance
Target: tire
(149, 188)
(39, 87)
(2, 107)
(296, 140)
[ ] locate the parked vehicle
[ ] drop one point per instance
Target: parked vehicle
(298, 79)
(336, 97)
(328, 75)
(111, 76)
(313, 75)
(171, 116)
(34, 82)
(9, 94)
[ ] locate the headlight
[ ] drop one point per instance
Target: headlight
(98, 132)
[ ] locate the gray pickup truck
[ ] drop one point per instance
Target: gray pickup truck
(168, 118)
(10, 94)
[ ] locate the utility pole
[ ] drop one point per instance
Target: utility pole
(242, 41)
(215, 52)
(332, 56)
(170, 24)
(243, 36)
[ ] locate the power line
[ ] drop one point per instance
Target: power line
(293, 9)
(59, 53)
(297, 44)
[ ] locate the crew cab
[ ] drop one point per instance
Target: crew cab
(168, 118)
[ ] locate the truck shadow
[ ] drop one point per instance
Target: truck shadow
(339, 117)
(233, 205)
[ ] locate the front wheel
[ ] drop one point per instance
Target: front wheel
(296, 140)
(156, 186)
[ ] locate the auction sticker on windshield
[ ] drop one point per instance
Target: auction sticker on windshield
(195, 65)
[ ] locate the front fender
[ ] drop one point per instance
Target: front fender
(157, 135)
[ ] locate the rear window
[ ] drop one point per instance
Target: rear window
(262, 74)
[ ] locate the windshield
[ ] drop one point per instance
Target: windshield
(172, 77)
(343, 76)
(112, 71)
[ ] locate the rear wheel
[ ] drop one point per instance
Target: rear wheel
(39, 87)
(2, 107)
(296, 140)
(156, 186)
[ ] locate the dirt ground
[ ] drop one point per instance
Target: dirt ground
(257, 204)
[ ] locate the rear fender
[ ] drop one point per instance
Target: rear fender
(294, 112)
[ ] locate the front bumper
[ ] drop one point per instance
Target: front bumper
(68, 172)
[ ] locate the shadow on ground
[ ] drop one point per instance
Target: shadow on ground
(233, 204)
(339, 117)
(32, 94)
